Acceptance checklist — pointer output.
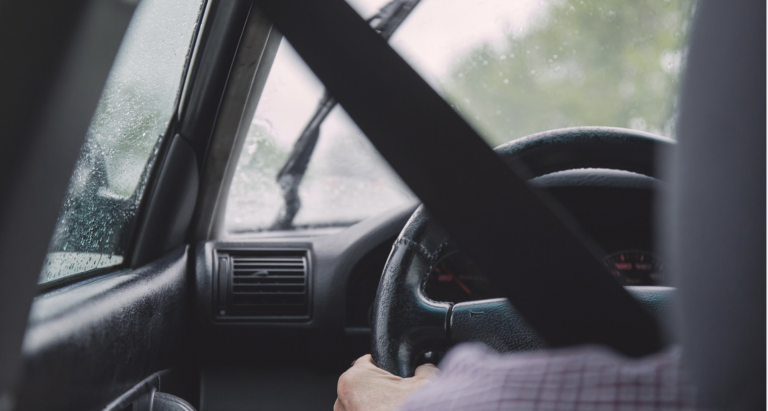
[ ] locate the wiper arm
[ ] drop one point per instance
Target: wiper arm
(389, 18)
(290, 176)
(385, 22)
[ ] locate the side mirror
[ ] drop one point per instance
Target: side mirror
(92, 227)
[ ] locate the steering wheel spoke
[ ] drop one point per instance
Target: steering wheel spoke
(494, 323)
(407, 323)
(402, 311)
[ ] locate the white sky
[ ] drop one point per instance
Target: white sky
(440, 31)
(437, 33)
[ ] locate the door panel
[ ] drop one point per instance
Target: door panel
(88, 343)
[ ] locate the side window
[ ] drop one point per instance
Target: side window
(137, 103)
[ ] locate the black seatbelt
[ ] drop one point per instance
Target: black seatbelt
(548, 270)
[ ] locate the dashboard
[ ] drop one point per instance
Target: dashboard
(614, 208)
(456, 279)
(303, 300)
(342, 269)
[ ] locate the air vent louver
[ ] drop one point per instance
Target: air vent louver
(263, 284)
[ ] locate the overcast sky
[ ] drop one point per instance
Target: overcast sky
(434, 37)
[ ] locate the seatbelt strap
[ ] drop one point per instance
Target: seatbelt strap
(547, 268)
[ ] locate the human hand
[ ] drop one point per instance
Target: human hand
(366, 387)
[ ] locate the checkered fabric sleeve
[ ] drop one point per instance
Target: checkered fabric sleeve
(583, 378)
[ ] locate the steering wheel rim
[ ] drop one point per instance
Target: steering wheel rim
(405, 320)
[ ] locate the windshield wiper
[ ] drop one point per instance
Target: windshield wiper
(385, 22)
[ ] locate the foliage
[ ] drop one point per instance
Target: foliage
(582, 62)
(579, 63)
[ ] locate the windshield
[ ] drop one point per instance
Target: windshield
(509, 68)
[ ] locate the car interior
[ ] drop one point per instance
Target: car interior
(147, 266)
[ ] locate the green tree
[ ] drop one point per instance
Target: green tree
(581, 62)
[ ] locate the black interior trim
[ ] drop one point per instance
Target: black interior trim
(151, 394)
(256, 52)
(175, 186)
(88, 344)
(143, 244)
(209, 74)
(138, 398)
(55, 60)
(322, 343)
(496, 324)
(168, 210)
(419, 133)
(77, 278)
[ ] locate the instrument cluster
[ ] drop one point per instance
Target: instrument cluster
(456, 279)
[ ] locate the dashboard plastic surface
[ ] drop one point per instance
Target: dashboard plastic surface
(614, 207)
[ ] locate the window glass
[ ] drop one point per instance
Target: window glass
(514, 68)
(346, 180)
(510, 68)
(133, 113)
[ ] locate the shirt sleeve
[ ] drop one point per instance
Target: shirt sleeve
(583, 378)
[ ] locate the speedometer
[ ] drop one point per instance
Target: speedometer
(635, 268)
(456, 279)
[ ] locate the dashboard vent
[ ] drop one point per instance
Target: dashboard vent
(263, 284)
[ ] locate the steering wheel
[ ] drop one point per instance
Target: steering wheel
(407, 323)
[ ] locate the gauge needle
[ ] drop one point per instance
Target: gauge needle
(456, 278)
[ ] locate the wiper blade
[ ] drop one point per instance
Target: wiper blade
(290, 176)
(389, 18)
(386, 21)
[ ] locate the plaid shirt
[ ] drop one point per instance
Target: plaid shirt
(583, 378)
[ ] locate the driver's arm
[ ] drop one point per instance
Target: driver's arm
(475, 379)
(366, 387)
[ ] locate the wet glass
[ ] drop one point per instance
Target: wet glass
(346, 181)
(514, 68)
(98, 213)
(510, 68)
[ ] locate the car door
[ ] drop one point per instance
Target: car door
(108, 327)
(101, 323)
